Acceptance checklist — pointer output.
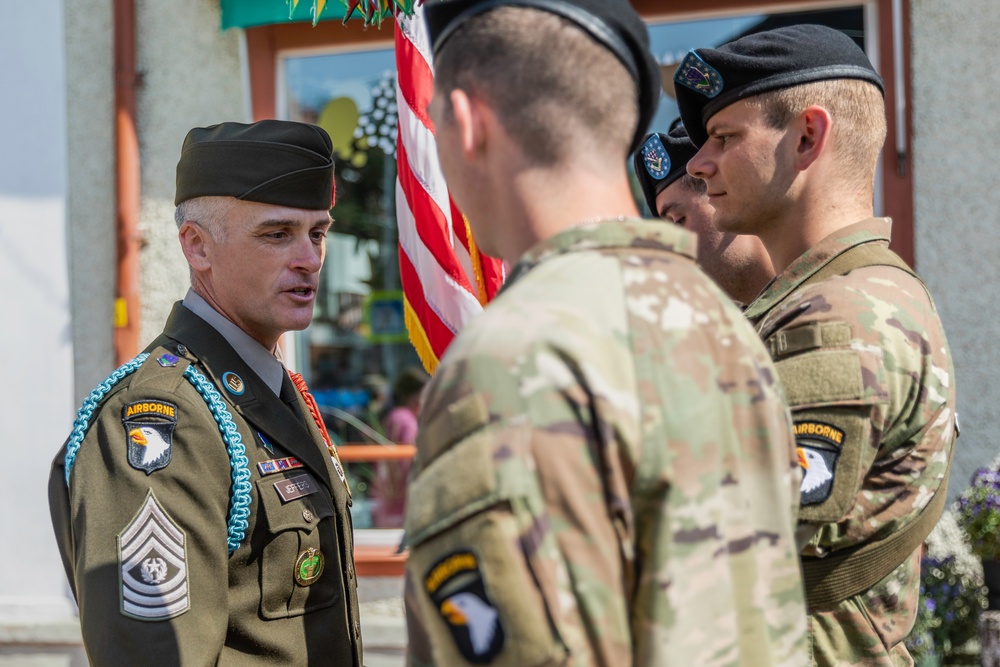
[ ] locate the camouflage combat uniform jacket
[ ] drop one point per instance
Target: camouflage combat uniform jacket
(869, 378)
(143, 537)
(605, 472)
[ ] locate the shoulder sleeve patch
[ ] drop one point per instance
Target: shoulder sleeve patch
(152, 559)
(455, 585)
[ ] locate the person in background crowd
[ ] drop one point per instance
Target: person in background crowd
(400, 426)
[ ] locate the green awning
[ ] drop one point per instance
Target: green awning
(250, 13)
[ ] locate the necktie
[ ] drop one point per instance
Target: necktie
(310, 401)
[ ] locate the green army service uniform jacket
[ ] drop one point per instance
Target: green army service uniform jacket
(168, 563)
(866, 368)
(605, 472)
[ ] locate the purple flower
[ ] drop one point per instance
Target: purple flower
(930, 604)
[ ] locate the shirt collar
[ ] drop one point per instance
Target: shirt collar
(812, 260)
(256, 356)
(611, 233)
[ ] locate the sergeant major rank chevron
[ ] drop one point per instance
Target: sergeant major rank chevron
(153, 565)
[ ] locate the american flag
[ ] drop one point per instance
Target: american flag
(446, 280)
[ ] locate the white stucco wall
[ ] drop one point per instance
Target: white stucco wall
(91, 193)
(191, 77)
(957, 203)
(36, 374)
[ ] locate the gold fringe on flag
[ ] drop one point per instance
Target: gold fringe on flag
(418, 338)
(477, 264)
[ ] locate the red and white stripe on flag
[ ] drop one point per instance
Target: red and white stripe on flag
(446, 280)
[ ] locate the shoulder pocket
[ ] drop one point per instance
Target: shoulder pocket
(480, 587)
(833, 409)
(301, 538)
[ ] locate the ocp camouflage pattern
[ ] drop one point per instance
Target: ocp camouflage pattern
(608, 439)
(882, 372)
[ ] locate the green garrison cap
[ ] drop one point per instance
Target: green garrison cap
(613, 23)
(709, 80)
(272, 162)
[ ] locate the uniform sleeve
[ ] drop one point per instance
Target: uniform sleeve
(143, 530)
(515, 556)
(866, 371)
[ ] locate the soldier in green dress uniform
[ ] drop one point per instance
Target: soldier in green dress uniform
(201, 511)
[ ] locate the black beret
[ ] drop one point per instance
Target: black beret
(272, 161)
(613, 23)
(708, 80)
(662, 160)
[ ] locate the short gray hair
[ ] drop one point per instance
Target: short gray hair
(209, 213)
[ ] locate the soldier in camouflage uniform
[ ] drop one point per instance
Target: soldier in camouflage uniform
(790, 124)
(606, 473)
(737, 263)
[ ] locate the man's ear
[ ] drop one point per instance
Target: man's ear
(196, 244)
(814, 126)
(470, 116)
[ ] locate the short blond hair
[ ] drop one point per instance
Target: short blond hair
(858, 112)
(554, 88)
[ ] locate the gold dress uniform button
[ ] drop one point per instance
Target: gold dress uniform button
(307, 515)
(308, 567)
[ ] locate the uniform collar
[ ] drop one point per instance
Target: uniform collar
(612, 233)
(814, 259)
(255, 355)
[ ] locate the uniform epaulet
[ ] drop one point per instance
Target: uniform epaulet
(239, 501)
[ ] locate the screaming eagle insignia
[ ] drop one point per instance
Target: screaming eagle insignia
(149, 430)
(455, 585)
(152, 562)
(818, 447)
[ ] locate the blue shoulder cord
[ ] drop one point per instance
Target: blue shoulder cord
(239, 502)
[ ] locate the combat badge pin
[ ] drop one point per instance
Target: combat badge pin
(455, 585)
(655, 158)
(152, 561)
(699, 76)
(818, 449)
(234, 383)
(309, 567)
(149, 430)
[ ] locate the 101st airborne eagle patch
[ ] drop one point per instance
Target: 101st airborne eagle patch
(152, 560)
(818, 447)
(455, 585)
(149, 431)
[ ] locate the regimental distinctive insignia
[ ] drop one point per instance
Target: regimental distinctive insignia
(149, 430)
(699, 76)
(265, 443)
(656, 158)
(455, 584)
(234, 383)
(818, 449)
(309, 567)
(167, 360)
(152, 561)
(278, 465)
